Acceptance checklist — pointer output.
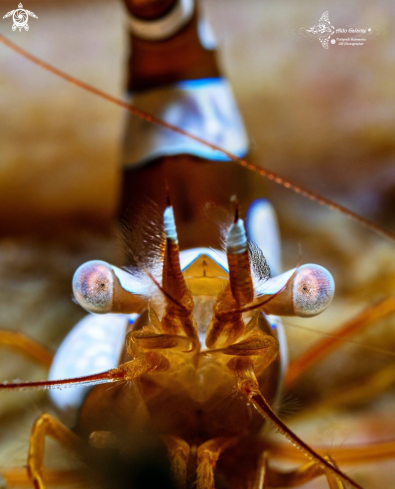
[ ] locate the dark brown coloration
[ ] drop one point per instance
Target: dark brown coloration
(180, 57)
(149, 9)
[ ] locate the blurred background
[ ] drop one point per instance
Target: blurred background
(323, 118)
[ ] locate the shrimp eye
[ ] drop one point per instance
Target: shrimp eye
(93, 286)
(313, 290)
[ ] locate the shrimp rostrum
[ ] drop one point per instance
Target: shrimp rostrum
(201, 366)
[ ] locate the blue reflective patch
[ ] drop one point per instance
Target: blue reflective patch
(272, 322)
(201, 82)
(132, 318)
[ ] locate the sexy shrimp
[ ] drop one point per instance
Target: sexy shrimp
(370, 282)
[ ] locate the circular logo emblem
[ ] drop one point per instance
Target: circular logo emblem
(20, 18)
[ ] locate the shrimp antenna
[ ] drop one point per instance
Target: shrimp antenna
(234, 200)
(247, 384)
(263, 302)
(163, 291)
(58, 384)
(125, 372)
(270, 175)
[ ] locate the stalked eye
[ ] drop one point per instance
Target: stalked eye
(100, 288)
(93, 286)
(305, 292)
(313, 290)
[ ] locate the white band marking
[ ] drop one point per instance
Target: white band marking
(165, 27)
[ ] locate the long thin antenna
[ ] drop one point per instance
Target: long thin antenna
(58, 384)
(270, 175)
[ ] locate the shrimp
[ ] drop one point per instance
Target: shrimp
(372, 286)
